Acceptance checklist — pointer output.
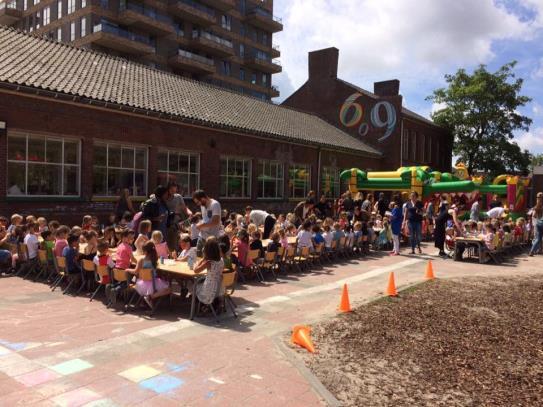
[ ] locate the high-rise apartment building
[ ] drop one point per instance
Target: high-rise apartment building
(223, 42)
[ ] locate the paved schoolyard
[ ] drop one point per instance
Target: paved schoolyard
(60, 350)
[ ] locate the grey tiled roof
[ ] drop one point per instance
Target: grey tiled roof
(34, 62)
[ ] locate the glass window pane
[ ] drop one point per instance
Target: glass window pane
(163, 161)
(141, 158)
(224, 191)
(163, 178)
(183, 163)
(183, 181)
(71, 178)
(139, 187)
(127, 180)
(127, 158)
(99, 181)
(36, 149)
(71, 153)
(194, 160)
(100, 155)
(44, 179)
(16, 179)
(114, 181)
(173, 165)
(194, 185)
(223, 167)
(54, 151)
(16, 148)
(114, 158)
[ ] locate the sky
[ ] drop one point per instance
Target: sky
(417, 42)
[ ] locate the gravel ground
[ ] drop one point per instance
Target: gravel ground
(456, 343)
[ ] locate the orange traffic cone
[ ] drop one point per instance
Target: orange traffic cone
(391, 289)
(301, 336)
(345, 305)
(429, 271)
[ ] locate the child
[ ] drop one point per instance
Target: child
(337, 233)
(92, 244)
(283, 238)
(194, 231)
(143, 237)
(42, 222)
(274, 244)
(48, 244)
(16, 220)
(71, 254)
(60, 240)
(102, 257)
(256, 243)
(149, 289)
(124, 252)
(281, 221)
(317, 238)
(32, 242)
(226, 253)
(328, 236)
(343, 219)
(304, 238)
(213, 263)
(160, 246)
(188, 252)
(242, 246)
(291, 230)
(53, 226)
(87, 223)
(111, 220)
(109, 237)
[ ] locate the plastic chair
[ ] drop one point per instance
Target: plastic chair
(87, 274)
(102, 276)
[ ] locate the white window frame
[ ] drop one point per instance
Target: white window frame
(59, 34)
(191, 155)
(109, 144)
(226, 177)
(71, 6)
(83, 3)
(26, 162)
(72, 31)
(291, 187)
(59, 9)
(277, 179)
(336, 183)
(83, 26)
(46, 15)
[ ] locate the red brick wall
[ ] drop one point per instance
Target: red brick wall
(44, 116)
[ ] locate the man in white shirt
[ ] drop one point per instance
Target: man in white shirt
(260, 218)
(496, 212)
(211, 218)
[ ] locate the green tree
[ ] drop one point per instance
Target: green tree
(537, 160)
(481, 111)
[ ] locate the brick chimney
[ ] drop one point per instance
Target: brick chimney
(387, 88)
(323, 63)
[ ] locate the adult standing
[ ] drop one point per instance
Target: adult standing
(381, 206)
(302, 211)
(210, 226)
(537, 222)
(367, 205)
(323, 207)
(358, 199)
(475, 211)
(176, 206)
(412, 214)
(123, 204)
(348, 204)
(156, 210)
(260, 218)
(441, 220)
(495, 203)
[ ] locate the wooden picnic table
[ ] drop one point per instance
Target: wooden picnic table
(463, 243)
(174, 270)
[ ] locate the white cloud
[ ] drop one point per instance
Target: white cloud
(412, 40)
(531, 141)
(537, 73)
(438, 106)
(537, 109)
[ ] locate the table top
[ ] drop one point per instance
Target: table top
(469, 239)
(179, 269)
(291, 241)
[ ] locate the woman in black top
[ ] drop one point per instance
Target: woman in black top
(124, 204)
(441, 225)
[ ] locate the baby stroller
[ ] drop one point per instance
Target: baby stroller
(5, 262)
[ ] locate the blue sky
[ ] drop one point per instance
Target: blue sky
(417, 42)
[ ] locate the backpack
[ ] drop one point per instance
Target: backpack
(149, 209)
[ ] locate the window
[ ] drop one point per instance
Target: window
(330, 184)
(59, 9)
(270, 179)
(226, 22)
(241, 50)
(265, 38)
(226, 68)
(59, 34)
(180, 167)
(42, 166)
(235, 177)
(265, 79)
(83, 26)
(413, 146)
(25, 5)
(83, 3)
(422, 139)
(299, 181)
(119, 166)
(429, 148)
(253, 78)
(242, 74)
(37, 19)
(46, 15)
(71, 6)
(72, 31)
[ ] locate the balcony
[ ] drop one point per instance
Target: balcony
(126, 42)
(187, 61)
(262, 63)
(222, 5)
(276, 52)
(9, 13)
(192, 11)
(212, 44)
(146, 19)
(264, 20)
(274, 91)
